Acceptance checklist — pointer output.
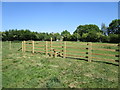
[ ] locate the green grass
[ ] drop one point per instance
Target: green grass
(27, 70)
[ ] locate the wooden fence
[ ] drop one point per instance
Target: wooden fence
(88, 50)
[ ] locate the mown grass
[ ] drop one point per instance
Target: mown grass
(27, 70)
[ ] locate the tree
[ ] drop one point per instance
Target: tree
(92, 36)
(114, 27)
(81, 29)
(66, 35)
(114, 38)
(75, 37)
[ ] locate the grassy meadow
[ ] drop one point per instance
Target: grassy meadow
(27, 70)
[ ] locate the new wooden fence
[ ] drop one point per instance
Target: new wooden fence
(88, 50)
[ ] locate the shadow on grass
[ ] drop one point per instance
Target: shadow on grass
(80, 59)
(95, 61)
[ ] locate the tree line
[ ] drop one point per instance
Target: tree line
(85, 33)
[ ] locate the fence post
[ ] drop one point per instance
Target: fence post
(89, 51)
(22, 46)
(119, 53)
(64, 51)
(51, 46)
(10, 45)
(32, 46)
(46, 50)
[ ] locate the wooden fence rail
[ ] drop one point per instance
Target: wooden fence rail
(66, 49)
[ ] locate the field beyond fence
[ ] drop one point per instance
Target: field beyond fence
(79, 50)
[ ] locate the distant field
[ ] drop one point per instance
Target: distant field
(27, 70)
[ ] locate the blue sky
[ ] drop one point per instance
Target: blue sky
(56, 16)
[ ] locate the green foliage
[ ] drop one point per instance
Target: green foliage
(114, 27)
(66, 35)
(87, 33)
(105, 38)
(75, 37)
(114, 38)
(81, 29)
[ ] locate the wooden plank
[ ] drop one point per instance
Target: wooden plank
(39, 48)
(76, 51)
(56, 43)
(57, 46)
(39, 51)
(104, 59)
(39, 45)
(95, 44)
(103, 54)
(75, 55)
(29, 47)
(69, 43)
(76, 47)
(28, 41)
(113, 50)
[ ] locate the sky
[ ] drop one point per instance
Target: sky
(56, 16)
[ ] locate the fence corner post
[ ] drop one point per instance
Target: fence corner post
(89, 51)
(32, 46)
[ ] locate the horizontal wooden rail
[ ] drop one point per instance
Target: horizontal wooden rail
(103, 54)
(39, 48)
(94, 44)
(76, 52)
(28, 47)
(39, 45)
(75, 47)
(104, 49)
(76, 43)
(104, 59)
(39, 51)
(75, 55)
(57, 46)
(28, 43)
(39, 42)
(28, 50)
(56, 43)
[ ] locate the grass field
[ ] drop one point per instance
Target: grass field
(27, 70)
